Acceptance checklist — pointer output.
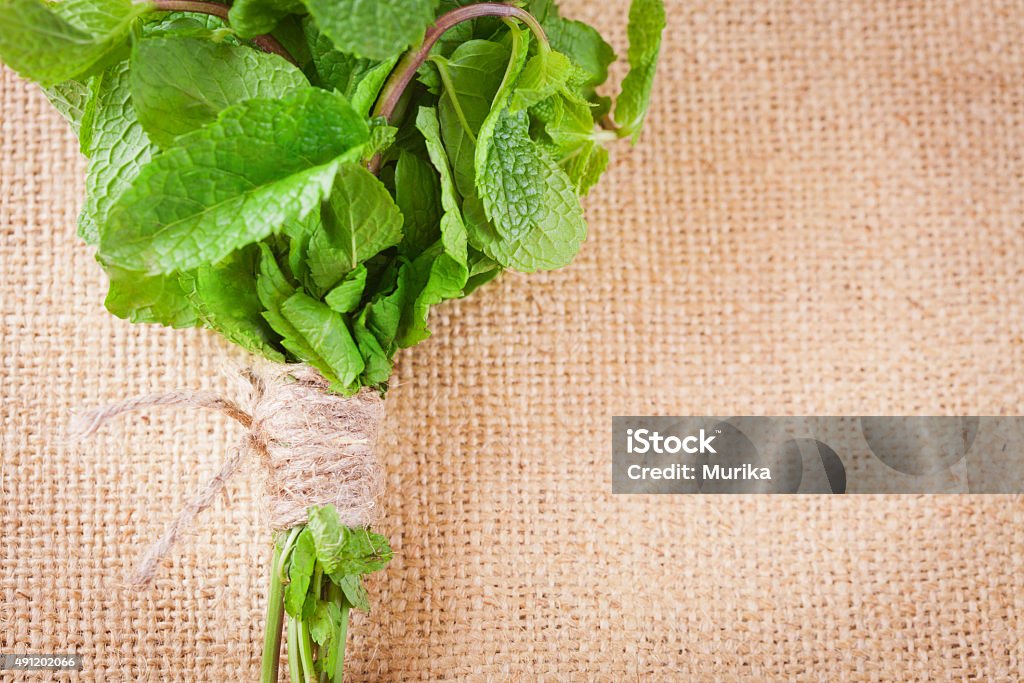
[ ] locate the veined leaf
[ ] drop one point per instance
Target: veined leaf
(260, 165)
(471, 78)
(181, 83)
(646, 22)
(300, 571)
(116, 145)
(375, 29)
(327, 334)
(156, 299)
(359, 220)
(52, 43)
(225, 297)
(251, 18)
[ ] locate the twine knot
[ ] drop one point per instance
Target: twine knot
(312, 447)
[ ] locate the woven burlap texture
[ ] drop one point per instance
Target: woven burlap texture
(824, 216)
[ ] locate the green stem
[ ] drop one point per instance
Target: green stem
(275, 620)
(339, 663)
(294, 665)
(306, 653)
(336, 595)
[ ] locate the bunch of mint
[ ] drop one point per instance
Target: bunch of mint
(308, 177)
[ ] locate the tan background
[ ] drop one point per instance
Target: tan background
(825, 216)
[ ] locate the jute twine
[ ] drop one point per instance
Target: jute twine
(312, 447)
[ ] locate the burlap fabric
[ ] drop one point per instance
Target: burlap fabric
(825, 216)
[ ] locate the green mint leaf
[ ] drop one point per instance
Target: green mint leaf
(545, 73)
(355, 592)
(346, 296)
(52, 43)
(69, 98)
(250, 18)
(328, 534)
(260, 165)
(273, 289)
(383, 315)
(117, 147)
(325, 332)
(140, 298)
(374, 29)
(453, 230)
(324, 624)
(440, 272)
(363, 552)
(376, 359)
(571, 128)
(180, 83)
(554, 235)
(575, 39)
(300, 571)
(360, 80)
(482, 269)
(646, 23)
(188, 24)
(417, 193)
(359, 220)
(436, 277)
(226, 299)
(471, 78)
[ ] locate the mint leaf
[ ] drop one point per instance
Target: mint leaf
(355, 592)
(70, 99)
(577, 145)
(359, 220)
(300, 571)
(140, 298)
(273, 289)
(180, 83)
(575, 39)
(225, 297)
(375, 29)
(116, 145)
(250, 18)
(440, 272)
(646, 22)
(324, 624)
(453, 230)
(417, 193)
(471, 79)
(363, 552)
(261, 164)
(359, 80)
(325, 331)
(376, 359)
(554, 234)
(546, 73)
(346, 296)
(54, 43)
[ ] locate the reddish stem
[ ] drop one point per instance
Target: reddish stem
(267, 43)
(413, 59)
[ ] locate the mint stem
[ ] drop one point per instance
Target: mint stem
(275, 620)
(403, 74)
(267, 43)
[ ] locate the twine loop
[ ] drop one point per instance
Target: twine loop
(312, 447)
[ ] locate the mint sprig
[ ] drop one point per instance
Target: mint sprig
(310, 178)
